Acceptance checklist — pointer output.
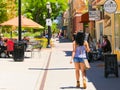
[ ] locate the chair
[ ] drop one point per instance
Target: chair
(29, 49)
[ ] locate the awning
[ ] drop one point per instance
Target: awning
(25, 22)
(83, 17)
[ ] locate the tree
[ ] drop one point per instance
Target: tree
(3, 11)
(33, 9)
(37, 9)
(8, 9)
(11, 9)
(54, 28)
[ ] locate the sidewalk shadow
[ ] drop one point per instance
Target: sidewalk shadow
(96, 76)
(50, 68)
(65, 40)
(71, 87)
(68, 53)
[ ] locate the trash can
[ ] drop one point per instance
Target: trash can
(111, 64)
(18, 54)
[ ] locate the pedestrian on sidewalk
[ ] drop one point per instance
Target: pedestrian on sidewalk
(10, 47)
(80, 46)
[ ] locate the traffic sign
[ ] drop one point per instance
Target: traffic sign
(110, 6)
(48, 22)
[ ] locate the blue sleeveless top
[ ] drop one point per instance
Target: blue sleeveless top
(80, 52)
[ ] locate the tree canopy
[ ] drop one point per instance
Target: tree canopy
(33, 9)
(37, 9)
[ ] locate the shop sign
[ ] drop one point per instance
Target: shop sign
(94, 15)
(110, 6)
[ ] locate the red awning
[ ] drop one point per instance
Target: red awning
(83, 17)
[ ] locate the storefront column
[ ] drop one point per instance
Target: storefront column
(113, 32)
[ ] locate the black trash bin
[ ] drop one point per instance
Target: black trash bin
(111, 64)
(18, 54)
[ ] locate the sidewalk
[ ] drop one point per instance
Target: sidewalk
(49, 69)
(61, 75)
(22, 75)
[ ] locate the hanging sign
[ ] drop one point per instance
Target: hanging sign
(110, 6)
(94, 15)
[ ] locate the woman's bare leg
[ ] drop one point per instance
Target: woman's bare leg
(77, 73)
(83, 70)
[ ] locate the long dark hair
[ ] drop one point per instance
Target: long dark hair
(80, 38)
(73, 36)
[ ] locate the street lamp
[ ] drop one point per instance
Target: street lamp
(48, 23)
(18, 54)
(19, 20)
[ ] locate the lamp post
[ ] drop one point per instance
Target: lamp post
(48, 23)
(19, 20)
(18, 54)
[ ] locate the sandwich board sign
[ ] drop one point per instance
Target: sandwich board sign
(110, 6)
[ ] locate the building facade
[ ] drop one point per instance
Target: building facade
(78, 15)
(91, 14)
(108, 25)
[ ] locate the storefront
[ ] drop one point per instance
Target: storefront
(117, 30)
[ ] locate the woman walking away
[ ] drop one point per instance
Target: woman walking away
(80, 46)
